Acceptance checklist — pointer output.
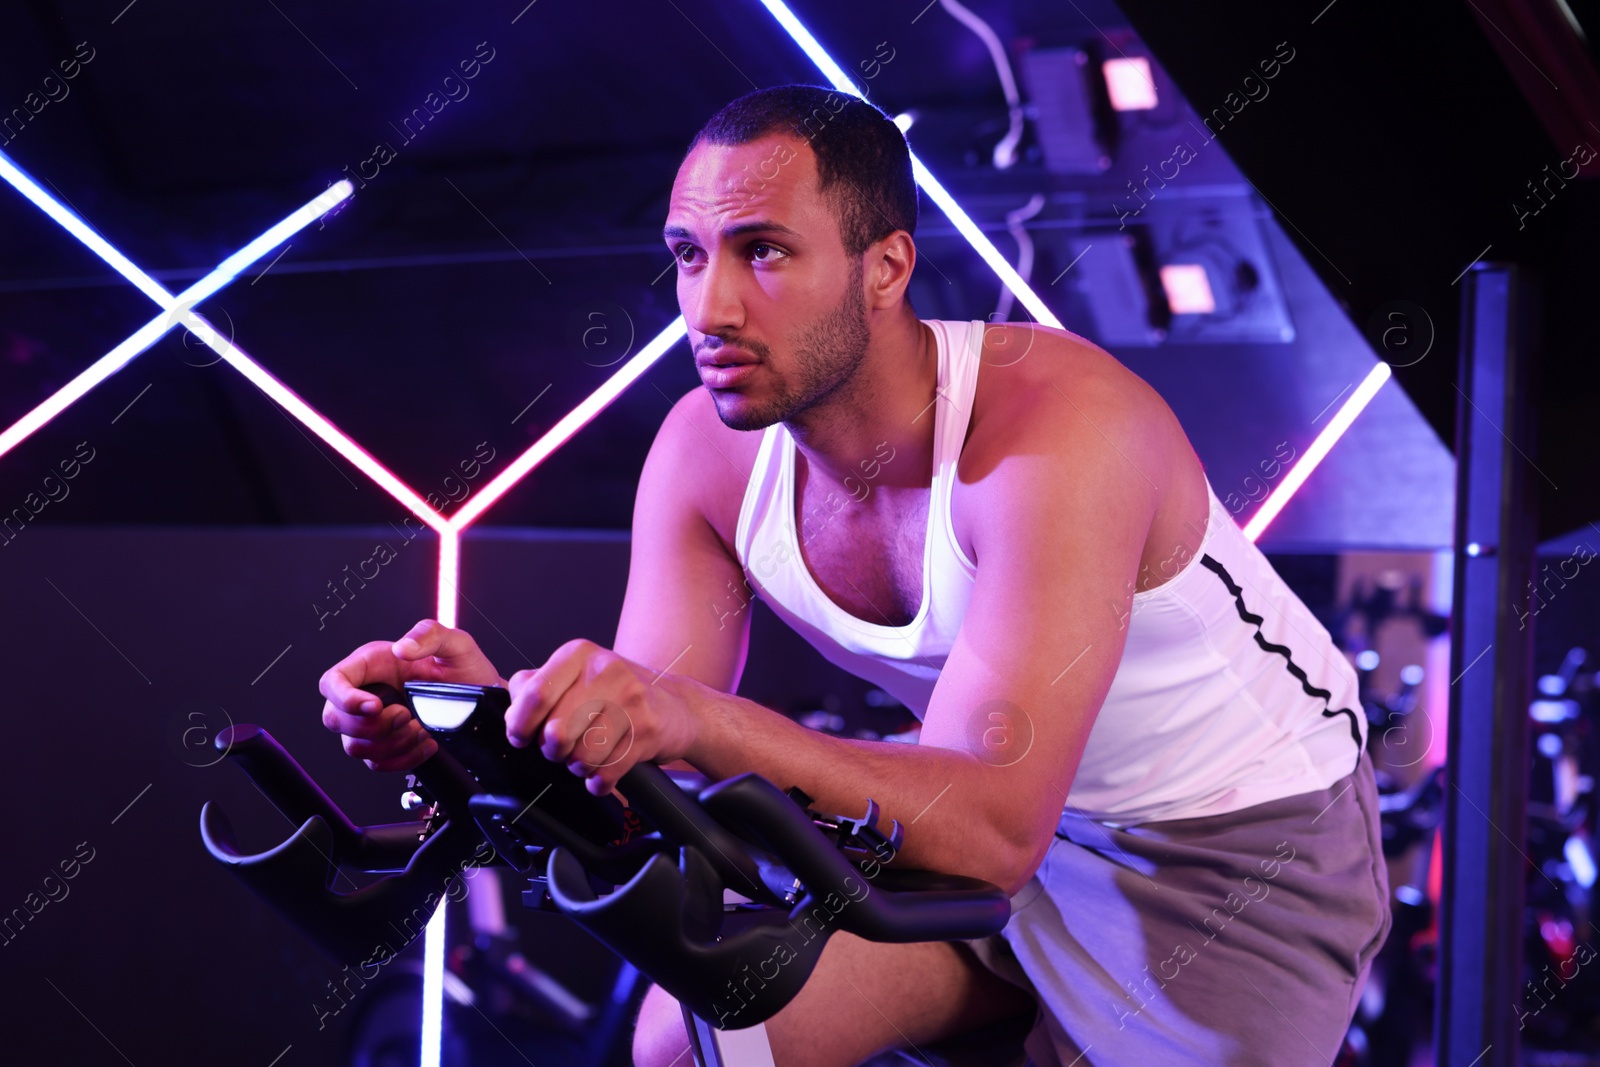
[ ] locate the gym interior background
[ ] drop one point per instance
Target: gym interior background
(1282, 216)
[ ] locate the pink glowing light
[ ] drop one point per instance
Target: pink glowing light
(1188, 289)
(1319, 449)
(1129, 83)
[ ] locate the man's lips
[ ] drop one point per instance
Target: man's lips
(724, 358)
(718, 375)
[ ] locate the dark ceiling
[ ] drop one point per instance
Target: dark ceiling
(456, 288)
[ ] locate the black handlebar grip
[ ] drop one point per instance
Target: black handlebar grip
(680, 819)
(960, 908)
(283, 782)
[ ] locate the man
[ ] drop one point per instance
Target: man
(1128, 720)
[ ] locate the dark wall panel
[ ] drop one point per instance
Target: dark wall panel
(114, 637)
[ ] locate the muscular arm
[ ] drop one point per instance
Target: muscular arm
(1062, 511)
(685, 610)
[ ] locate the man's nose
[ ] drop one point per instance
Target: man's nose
(711, 304)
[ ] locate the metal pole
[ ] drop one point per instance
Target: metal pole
(1491, 656)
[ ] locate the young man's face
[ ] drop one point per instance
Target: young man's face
(763, 280)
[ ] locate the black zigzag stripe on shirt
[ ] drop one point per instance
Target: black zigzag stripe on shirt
(1305, 683)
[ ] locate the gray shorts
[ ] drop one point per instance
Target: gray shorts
(1240, 939)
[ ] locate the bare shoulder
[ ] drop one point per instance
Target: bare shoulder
(1050, 396)
(712, 463)
(1039, 384)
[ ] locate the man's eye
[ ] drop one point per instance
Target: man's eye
(678, 253)
(769, 248)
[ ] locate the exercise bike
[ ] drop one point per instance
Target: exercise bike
(724, 896)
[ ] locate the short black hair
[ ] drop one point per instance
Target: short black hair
(863, 163)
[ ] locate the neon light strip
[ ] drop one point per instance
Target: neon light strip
(93, 375)
(983, 246)
(936, 192)
(433, 948)
(179, 310)
(225, 272)
(334, 437)
(152, 331)
(1030, 300)
(809, 45)
(450, 533)
(449, 574)
(1319, 448)
(570, 424)
(234, 265)
(81, 230)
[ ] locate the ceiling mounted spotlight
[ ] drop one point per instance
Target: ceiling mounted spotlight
(1187, 288)
(1129, 83)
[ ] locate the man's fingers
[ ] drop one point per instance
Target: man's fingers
(596, 733)
(421, 640)
(429, 637)
(362, 724)
(342, 682)
(409, 758)
(617, 760)
(527, 708)
(534, 695)
(387, 737)
(387, 745)
(387, 749)
(344, 690)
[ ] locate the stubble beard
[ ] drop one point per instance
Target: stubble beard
(827, 355)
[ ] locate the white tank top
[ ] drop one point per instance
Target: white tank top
(1229, 692)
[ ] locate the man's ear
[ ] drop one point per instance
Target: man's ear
(890, 262)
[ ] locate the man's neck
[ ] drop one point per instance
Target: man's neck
(887, 405)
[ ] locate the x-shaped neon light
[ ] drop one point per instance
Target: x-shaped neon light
(179, 310)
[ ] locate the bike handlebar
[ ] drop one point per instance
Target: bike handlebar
(669, 919)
